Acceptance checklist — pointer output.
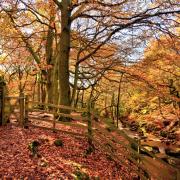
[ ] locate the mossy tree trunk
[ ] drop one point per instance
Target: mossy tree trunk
(49, 52)
(63, 55)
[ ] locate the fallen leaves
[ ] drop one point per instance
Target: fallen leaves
(54, 162)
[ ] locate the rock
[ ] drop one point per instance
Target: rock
(33, 147)
(172, 161)
(166, 123)
(133, 128)
(163, 133)
(81, 175)
(153, 149)
(172, 125)
(173, 152)
(150, 127)
(141, 133)
(149, 148)
(171, 136)
(142, 151)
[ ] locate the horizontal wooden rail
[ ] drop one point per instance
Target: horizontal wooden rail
(76, 117)
(59, 130)
(140, 156)
(14, 97)
(119, 159)
(58, 122)
(144, 149)
(39, 110)
(123, 134)
(72, 116)
(102, 134)
(59, 106)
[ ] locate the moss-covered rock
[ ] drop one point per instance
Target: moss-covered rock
(163, 133)
(59, 143)
(173, 152)
(79, 175)
(33, 147)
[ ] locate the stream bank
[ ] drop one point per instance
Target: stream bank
(164, 144)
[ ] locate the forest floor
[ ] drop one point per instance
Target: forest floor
(68, 161)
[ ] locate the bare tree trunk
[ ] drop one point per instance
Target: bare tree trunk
(38, 92)
(82, 99)
(55, 88)
(112, 108)
(34, 90)
(90, 119)
(77, 98)
(43, 92)
(118, 101)
(75, 85)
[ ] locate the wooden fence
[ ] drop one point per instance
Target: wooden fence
(92, 130)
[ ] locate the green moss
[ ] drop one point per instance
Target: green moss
(84, 114)
(79, 175)
(88, 151)
(58, 142)
(163, 133)
(110, 126)
(33, 147)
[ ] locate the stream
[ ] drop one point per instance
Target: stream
(170, 153)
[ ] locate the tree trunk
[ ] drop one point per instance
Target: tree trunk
(82, 99)
(50, 86)
(75, 86)
(38, 88)
(49, 52)
(56, 90)
(77, 99)
(112, 108)
(118, 101)
(63, 55)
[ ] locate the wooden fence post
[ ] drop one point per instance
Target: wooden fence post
(90, 135)
(54, 119)
(178, 174)
(26, 112)
(139, 152)
(22, 111)
(2, 100)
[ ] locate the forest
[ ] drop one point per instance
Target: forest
(90, 89)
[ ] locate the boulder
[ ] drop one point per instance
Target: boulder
(153, 149)
(173, 152)
(172, 161)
